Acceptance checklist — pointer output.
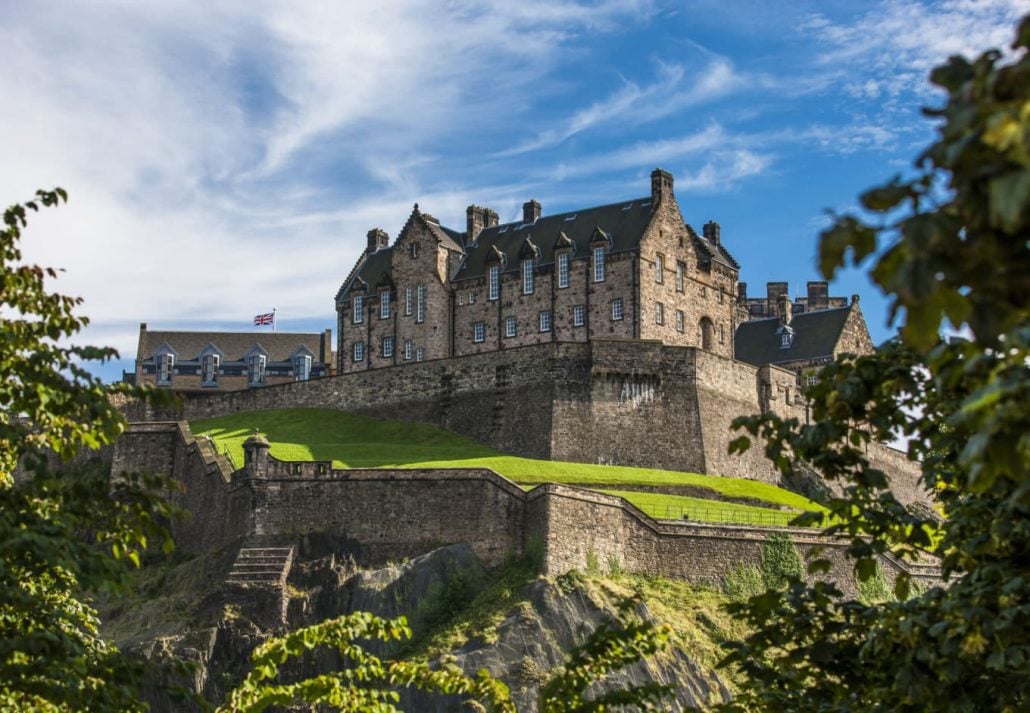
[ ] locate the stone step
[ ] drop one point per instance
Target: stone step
(261, 566)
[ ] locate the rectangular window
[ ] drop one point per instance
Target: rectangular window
(461, 299)
(420, 354)
(384, 305)
(659, 269)
(472, 297)
(165, 362)
(510, 327)
(359, 352)
(256, 368)
(679, 320)
(479, 332)
(617, 309)
(563, 270)
(599, 264)
(359, 309)
(407, 350)
(545, 321)
(209, 369)
(579, 315)
(680, 269)
(527, 277)
(659, 313)
(420, 304)
(495, 282)
(302, 367)
(408, 301)
(387, 347)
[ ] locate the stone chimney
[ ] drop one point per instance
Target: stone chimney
(377, 239)
(661, 185)
(742, 292)
(784, 309)
(818, 296)
(530, 211)
(855, 299)
(773, 290)
(255, 456)
(477, 218)
(711, 232)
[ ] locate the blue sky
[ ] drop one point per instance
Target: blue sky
(225, 158)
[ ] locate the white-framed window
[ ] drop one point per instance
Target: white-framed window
(510, 327)
(472, 297)
(420, 304)
(256, 368)
(384, 305)
(387, 347)
(420, 354)
(599, 263)
(359, 352)
(659, 313)
(680, 269)
(680, 319)
(209, 369)
(659, 268)
(359, 310)
(563, 270)
(527, 277)
(786, 338)
(461, 299)
(617, 309)
(811, 379)
(494, 282)
(579, 315)
(301, 367)
(479, 332)
(165, 364)
(545, 320)
(409, 300)
(407, 349)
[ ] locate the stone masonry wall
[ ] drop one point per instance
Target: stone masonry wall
(391, 514)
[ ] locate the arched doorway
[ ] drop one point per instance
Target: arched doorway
(707, 334)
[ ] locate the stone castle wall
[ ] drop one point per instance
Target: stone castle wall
(389, 514)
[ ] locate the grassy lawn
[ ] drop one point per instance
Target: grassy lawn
(351, 441)
(674, 507)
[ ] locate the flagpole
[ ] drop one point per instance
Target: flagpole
(273, 320)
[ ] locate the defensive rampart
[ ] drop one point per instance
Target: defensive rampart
(392, 514)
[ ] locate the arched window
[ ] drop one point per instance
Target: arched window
(707, 334)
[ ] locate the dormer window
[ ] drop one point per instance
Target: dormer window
(786, 337)
(165, 364)
(301, 367)
(209, 370)
(256, 369)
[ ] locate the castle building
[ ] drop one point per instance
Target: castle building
(229, 361)
(628, 270)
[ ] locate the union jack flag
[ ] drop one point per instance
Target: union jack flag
(262, 319)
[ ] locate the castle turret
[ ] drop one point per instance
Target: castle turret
(255, 456)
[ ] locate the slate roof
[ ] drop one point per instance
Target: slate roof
(815, 336)
(233, 345)
(714, 251)
(624, 223)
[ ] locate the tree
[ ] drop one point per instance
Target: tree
(957, 249)
(64, 529)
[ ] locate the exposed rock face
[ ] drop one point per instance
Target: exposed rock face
(532, 638)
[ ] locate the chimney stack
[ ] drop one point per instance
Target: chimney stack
(773, 290)
(784, 309)
(711, 232)
(818, 296)
(377, 239)
(742, 292)
(477, 218)
(530, 211)
(661, 185)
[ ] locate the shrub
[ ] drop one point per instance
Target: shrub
(780, 561)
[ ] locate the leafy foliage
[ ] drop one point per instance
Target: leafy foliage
(957, 251)
(63, 530)
(781, 561)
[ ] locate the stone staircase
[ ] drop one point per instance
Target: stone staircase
(261, 567)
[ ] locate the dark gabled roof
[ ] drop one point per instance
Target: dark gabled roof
(370, 270)
(816, 335)
(624, 223)
(714, 251)
(233, 345)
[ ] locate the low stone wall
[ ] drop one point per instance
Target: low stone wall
(398, 513)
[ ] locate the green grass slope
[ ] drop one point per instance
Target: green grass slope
(352, 441)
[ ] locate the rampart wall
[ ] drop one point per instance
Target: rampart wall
(391, 514)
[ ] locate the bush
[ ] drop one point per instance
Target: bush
(780, 561)
(743, 582)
